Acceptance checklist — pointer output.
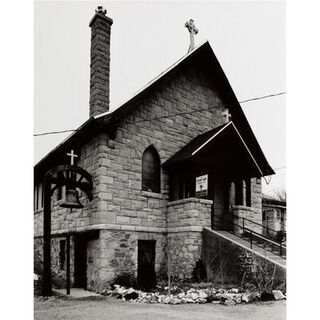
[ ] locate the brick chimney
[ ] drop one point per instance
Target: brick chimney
(100, 26)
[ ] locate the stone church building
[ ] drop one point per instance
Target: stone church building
(165, 165)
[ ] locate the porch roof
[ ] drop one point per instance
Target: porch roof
(202, 143)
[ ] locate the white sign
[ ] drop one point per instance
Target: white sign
(202, 186)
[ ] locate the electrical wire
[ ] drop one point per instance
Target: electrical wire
(53, 132)
(164, 117)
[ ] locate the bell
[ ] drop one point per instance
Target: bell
(72, 200)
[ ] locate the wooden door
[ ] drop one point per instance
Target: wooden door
(80, 263)
(146, 264)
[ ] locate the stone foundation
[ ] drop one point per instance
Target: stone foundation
(186, 218)
(115, 253)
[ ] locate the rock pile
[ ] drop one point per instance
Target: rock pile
(209, 295)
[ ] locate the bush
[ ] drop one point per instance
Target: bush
(125, 280)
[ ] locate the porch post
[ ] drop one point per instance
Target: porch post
(46, 285)
(244, 194)
(68, 264)
(232, 194)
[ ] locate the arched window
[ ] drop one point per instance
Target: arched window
(151, 170)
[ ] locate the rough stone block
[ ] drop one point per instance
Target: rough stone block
(123, 220)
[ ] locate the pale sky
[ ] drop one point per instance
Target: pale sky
(248, 39)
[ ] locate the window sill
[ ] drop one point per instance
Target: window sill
(151, 194)
(190, 200)
(243, 208)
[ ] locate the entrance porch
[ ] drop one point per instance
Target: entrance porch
(218, 166)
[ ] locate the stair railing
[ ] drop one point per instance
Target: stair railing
(253, 235)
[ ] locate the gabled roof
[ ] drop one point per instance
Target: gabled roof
(187, 151)
(205, 141)
(202, 55)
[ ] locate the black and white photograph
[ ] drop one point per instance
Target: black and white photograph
(159, 160)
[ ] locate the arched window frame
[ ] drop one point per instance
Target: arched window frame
(151, 177)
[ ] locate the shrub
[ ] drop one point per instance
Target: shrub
(125, 280)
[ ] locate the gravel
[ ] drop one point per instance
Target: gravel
(111, 308)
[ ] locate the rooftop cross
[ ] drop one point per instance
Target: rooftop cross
(192, 30)
(72, 155)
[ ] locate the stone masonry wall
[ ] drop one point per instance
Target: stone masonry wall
(256, 195)
(189, 212)
(64, 220)
(186, 219)
(253, 213)
(184, 250)
(58, 272)
(119, 254)
(115, 164)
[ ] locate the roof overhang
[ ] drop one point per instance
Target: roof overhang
(226, 139)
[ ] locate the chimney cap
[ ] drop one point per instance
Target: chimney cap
(101, 13)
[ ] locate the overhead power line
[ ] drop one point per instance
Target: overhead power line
(276, 169)
(263, 97)
(53, 132)
(177, 114)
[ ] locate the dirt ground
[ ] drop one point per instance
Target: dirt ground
(109, 308)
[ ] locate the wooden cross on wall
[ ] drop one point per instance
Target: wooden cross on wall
(227, 115)
(192, 30)
(72, 155)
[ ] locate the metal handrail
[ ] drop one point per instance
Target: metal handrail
(256, 223)
(251, 232)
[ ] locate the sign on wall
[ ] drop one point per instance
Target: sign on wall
(202, 186)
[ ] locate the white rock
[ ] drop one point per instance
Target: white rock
(202, 295)
(130, 290)
(229, 303)
(246, 297)
(175, 301)
(237, 298)
(122, 291)
(181, 295)
(167, 300)
(227, 296)
(278, 295)
(194, 296)
(234, 290)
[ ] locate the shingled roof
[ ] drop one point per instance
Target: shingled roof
(202, 54)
